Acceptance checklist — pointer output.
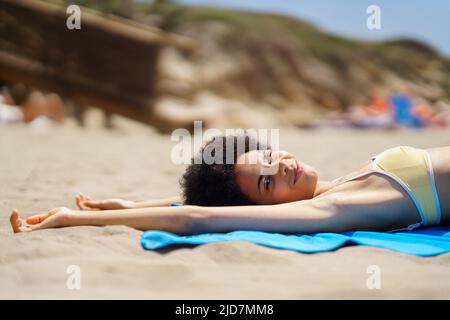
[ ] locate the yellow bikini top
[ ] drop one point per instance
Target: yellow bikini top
(411, 168)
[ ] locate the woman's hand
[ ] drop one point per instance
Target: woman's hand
(53, 219)
(85, 203)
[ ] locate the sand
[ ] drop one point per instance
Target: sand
(43, 169)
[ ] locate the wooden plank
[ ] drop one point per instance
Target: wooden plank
(109, 63)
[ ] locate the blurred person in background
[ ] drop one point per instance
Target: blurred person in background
(30, 107)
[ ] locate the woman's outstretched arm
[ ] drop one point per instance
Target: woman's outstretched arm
(298, 217)
(156, 202)
(86, 203)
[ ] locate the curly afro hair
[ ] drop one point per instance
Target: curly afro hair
(214, 184)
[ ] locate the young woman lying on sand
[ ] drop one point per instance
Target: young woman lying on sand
(400, 188)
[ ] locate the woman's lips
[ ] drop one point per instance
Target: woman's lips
(298, 171)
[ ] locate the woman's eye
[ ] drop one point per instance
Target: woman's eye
(267, 183)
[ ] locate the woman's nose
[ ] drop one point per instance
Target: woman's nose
(282, 167)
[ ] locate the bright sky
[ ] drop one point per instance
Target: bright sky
(428, 21)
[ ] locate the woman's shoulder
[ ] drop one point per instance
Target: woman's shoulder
(365, 167)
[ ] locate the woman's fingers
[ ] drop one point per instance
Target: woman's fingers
(34, 219)
(84, 203)
(16, 223)
(83, 197)
(38, 218)
(53, 219)
(81, 202)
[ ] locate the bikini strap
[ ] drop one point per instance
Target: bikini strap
(371, 170)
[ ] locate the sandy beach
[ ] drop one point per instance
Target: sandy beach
(43, 169)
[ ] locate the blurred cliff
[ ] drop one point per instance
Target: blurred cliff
(275, 62)
(264, 70)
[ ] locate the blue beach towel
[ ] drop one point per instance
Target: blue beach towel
(422, 242)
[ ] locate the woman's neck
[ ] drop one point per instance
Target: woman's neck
(322, 187)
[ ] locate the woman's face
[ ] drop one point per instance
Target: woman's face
(273, 177)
